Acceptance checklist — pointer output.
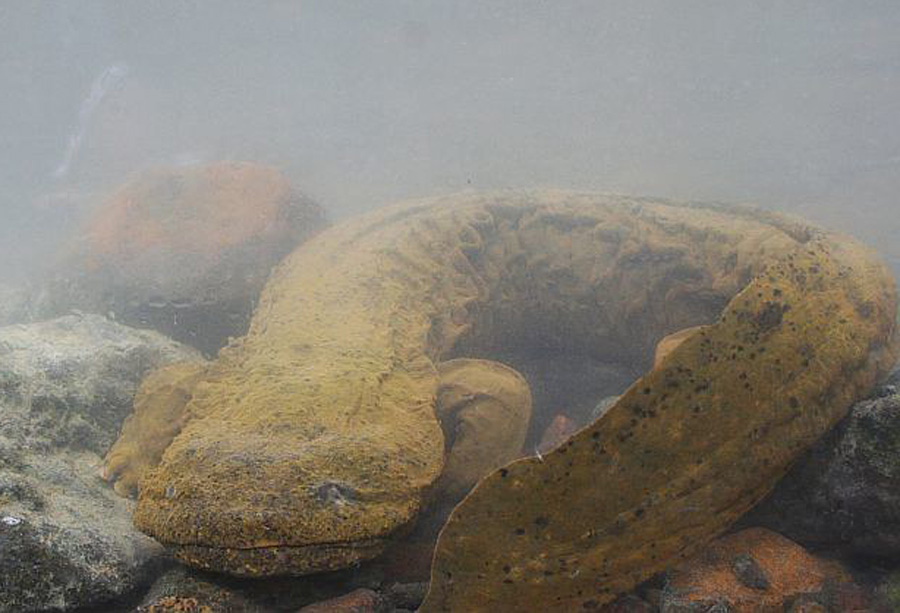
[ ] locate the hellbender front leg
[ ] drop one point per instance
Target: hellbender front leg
(159, 415)
(484, 408)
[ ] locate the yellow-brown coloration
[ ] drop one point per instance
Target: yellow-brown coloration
(159, 415)
(668, 344)
(314, 439)
(695, 442)
(484, 408)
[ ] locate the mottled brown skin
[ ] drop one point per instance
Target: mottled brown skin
(316, 439)
(159, 415)
(689, 448)
(484, 409)
(669, 343)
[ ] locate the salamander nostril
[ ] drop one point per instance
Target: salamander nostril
(337, 494)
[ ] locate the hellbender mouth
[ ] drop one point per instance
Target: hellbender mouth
(274, 560)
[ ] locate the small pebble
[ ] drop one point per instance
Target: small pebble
(749, 573)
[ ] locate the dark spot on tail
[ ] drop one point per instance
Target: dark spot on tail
(770, 316)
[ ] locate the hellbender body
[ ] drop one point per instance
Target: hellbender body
(314, 440)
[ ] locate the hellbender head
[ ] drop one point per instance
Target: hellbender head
(283, 490)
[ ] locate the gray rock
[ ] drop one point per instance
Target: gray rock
(69, 382)
(844, 494)
(66, 385)
(749, 572)
(888, 591)
(180, 586)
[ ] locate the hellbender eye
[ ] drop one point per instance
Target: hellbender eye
(337, 494)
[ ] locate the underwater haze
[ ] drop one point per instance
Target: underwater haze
(449, 305)
(791, 105)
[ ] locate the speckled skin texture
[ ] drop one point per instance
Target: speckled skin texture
(158, 417)
(694, 443)
(315, 439)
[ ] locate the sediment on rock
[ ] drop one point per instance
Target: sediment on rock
(66, 385)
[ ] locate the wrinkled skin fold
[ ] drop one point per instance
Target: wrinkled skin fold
(316, 439)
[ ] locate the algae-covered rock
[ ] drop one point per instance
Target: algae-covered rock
(315, 440)
(66, 385)
(178, 590)
(70, 382)
(184, 251)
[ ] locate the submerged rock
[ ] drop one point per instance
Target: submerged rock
(889, 592)
(183, 251)
(752, 570)
(358, 601)
(845, 492)
(184, 590)
(66, 385)
(180, 591)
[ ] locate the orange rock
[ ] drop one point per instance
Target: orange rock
(200, 210)
(556, 433)
(752, 570)
(184, 251)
